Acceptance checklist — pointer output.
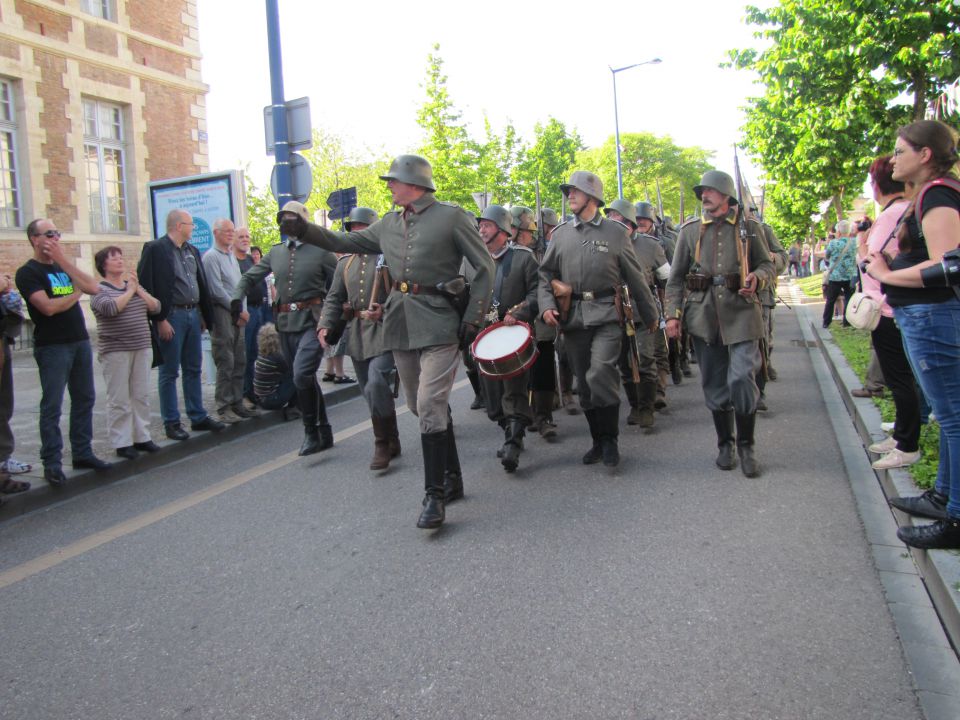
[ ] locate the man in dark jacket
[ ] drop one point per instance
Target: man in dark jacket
(170, 270)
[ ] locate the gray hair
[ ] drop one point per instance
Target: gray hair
(844, 227)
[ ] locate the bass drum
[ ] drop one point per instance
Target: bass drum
(505, 351)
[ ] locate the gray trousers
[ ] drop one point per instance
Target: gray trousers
(507, 399)
(303, 354)
(768, 329)
(728, 374)
(875, 379)
(594, 354)
(427, 376)
(227, 343)
(648, 361)
(375, 376)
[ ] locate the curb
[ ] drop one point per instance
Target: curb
(42, 494)
(921, 595)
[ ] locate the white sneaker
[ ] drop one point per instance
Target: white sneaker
(15, 467)
(895, 459)
(884, 446)
(887, 427)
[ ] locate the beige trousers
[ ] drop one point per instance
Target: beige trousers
(427, 376)
(127, 374)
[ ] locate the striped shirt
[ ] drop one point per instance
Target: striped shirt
(119, 331)
(268, 372)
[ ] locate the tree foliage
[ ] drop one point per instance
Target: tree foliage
(834, 75)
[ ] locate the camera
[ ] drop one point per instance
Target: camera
(864, 225)
(947, 273)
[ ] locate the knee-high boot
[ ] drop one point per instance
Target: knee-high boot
(434, 461)
(724, 423)
(746, 424)
(452, 475)
(307, 399)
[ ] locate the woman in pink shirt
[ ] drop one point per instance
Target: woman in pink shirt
(903, 447)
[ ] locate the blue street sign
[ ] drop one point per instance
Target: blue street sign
(341, 202)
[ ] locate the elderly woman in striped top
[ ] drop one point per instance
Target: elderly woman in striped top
(125, 352)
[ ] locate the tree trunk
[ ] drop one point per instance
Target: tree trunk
(919, 97)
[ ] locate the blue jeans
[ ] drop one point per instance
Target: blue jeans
(65, 366)
(931, 336)
(257, 318)
(182, 350)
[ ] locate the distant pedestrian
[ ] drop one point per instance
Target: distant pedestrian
(11, 322)
(258, 310)
(125, 352)
(52, 286)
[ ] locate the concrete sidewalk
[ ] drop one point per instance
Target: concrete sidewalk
(25, 422)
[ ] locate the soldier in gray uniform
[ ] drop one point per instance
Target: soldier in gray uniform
(648, 224)
(360, 285)
(514, 298)
(768, 302)
(656, 269)
(587, 261)
(722, 312)
(302, 274)
(424, 244)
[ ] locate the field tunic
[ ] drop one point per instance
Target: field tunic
(425, 244)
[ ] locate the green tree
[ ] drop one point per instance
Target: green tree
(549, 160)
(834, 75)
(447, 143)
(261, 215)
(646, 159)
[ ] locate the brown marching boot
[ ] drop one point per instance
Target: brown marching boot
(543, 414)
(381, 444)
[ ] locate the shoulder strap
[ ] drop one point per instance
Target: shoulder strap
(949, 182)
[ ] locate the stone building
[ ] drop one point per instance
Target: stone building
(97, 98)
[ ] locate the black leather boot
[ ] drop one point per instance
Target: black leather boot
(745, 429)
(724, 423)
(452, 475)
(307, 399)
(543, 413)
(505, 426)
(511, 450)
(393, 435)
(326, 432)
(609, 430)
(434, 460)
(943, 534)
(595, 453)
(478, 402)
(647, 392)
(632, 390)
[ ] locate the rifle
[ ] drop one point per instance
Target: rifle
(660, 205)
(633, 349)
(541, 238)
(683, 218)
(744, 244)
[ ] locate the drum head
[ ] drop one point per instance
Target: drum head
(501, 341)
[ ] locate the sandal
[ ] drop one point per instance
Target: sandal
(329, 377)
(343, 380)
(11, 486)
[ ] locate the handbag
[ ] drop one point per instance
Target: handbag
(863, 312)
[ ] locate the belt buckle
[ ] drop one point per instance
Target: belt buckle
(404, 287)
(294, 307)
(588, 295)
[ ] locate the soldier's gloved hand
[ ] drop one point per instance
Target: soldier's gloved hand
(292, 225)
(468, 333)
(236, 307)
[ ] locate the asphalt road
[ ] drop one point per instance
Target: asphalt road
(246, 582)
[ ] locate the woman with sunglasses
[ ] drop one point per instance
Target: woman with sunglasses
(927, 311)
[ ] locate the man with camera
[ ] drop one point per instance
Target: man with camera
(722, 261)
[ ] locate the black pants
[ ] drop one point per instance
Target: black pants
(543, 374)
(903, 386)
(834, 288)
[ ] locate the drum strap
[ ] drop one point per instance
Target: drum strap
(503, 269)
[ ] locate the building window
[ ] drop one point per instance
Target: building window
(9, 175)
(99, 8)
(103, 150)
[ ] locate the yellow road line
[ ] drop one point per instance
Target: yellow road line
(90, 542)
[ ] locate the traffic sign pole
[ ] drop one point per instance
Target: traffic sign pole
(280, 140)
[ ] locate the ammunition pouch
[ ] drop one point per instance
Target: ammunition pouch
(563, 294)
(348, 312)
(732, 281)
(698, 281)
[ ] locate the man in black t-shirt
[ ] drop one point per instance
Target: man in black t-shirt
(51, 285)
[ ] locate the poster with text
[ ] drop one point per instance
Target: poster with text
(206, 197)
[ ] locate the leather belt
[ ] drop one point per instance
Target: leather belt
(594, 294)
(185, 307)
(409, 287)
(299, 304)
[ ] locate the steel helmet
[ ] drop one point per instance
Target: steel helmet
(645, 210)
(550, 217)
(522, 218)
(411, 169)
(585, 182)
(719, 181)
(363, 215)
(297, 208)
(499, 216)
(625, 208)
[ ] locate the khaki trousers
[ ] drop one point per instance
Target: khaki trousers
(127, 375)
(427, 376)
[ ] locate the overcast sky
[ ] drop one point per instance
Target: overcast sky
(362, 65)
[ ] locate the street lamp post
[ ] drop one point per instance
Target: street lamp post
(616, 118)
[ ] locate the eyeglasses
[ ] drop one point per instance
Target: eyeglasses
(185, 223)
(48, 234)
